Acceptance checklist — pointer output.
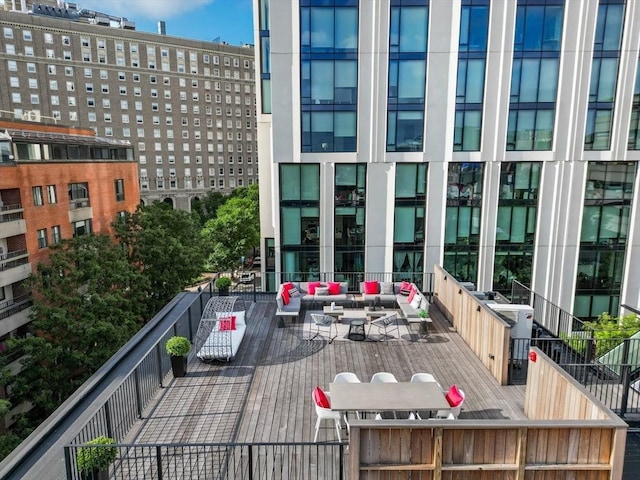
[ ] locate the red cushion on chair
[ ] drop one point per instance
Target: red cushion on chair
(311, 287)
(334, 288)
(285, 297)
(372, 287)
(287, 286)
(412, 294)
(454, 397)
(320, 398)
(228, 323)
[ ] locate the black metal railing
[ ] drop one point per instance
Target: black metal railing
(11, 217)
(232, 461)
(9, 264)
(15, 305)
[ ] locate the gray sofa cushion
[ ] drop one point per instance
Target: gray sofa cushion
(322, 291)
(386, 288)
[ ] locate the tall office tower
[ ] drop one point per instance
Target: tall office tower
(497, 138)
(186, 106)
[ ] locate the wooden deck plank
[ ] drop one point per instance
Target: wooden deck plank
(264, 394)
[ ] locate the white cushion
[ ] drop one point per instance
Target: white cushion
(415, 303)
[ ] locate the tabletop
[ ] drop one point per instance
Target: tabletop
(375, 397)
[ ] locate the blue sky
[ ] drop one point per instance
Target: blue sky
(231, 20)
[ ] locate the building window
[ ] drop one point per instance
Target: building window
(534, 79)
(349, 214)
(634, 129)
(329, 80)
(42, 238)
(462, 224)
(56, 234)
(472, 54)
(78, 195)
(82, 228)
(52, 196)
(603, 238)
(409, 221)
(38, 199)
(407, 71)
(119, 188)
(516, 224)
(604, 74)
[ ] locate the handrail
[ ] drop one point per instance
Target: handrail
(13, 254)
(14, 206)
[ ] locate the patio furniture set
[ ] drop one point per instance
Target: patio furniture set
(403, 296)
(385, 321)
(385, 395)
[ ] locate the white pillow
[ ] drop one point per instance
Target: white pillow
(415, 303)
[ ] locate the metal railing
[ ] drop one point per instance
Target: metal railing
(11, 217)
(14, 305)
(6, 208)
(230, 461)
(9, 264)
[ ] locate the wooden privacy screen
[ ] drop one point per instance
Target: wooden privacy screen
(485, 333)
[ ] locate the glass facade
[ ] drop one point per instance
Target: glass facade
(634, 129)
(329, 74)
(265, 56)
(604, 74)
(462, 223)
(534, 78)
(472, 55)
(603, 238)
(350, 194)
(516, 224)
(409, 221)
(299, 220)
(408, 33)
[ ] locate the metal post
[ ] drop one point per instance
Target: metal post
(136, 382)
(159, 462)
(250, 462)
(190, 326)
(107, 414)
(67, 462)
(625, 378)
(159, 362)
(254, 289)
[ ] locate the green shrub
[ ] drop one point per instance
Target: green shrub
(223, 282)
(178, 346)
(96, 458)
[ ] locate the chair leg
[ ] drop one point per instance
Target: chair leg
(338, 427)
(315, 439)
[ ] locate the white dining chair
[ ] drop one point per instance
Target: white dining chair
(383, 377)
(455, 411)
(422, 378)
(347, 377)
(324, 413)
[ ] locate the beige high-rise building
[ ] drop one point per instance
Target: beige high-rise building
(186, 106)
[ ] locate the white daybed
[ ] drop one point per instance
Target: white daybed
(214, 341)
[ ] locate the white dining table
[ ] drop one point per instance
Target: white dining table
(376, 397)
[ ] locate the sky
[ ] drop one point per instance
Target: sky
(231, 20)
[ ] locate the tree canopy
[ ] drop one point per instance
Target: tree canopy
(166, 245)
(87, 302)
(234, 231)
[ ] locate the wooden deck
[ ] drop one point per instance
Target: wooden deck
(264, 395)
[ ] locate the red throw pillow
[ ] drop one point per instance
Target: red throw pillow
(285, 297)
(454, 397)
(412, 294)
(228, 323)
(320, 398)
(404, 288)
(372, 287)
(334, 288)
(287, 286)
(311, 287)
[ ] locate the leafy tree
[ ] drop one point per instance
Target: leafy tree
(87, 302)
(234, 231)
(166, 246)
(610, 331)
(207, 208)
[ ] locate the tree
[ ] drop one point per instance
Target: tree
(166, 246)
(87, 302)
(207, 208)
(234, 231)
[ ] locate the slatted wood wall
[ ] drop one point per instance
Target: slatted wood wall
(485, 333)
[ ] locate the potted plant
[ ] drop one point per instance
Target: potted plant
(93, 461)
(178, 348)
(223, 284)
(422, 313)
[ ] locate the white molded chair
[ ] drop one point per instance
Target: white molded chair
(326, 414)
(385, 324)
(321, 321)
(422, 378)
(455, 411)
(383, 377)
(347, 377)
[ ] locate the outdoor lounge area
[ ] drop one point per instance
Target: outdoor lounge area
(264, 397)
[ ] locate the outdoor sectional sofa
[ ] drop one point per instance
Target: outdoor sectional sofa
(406, 295)
(310, 293)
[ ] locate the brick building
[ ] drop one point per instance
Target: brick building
(56, 182)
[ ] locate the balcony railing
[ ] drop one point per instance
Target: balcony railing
(20, 258)
(6, 208)
(10, 217)
(78, 203)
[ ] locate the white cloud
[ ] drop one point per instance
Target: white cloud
(150, 9)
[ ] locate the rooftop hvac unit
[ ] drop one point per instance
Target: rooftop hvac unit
(520, 317)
